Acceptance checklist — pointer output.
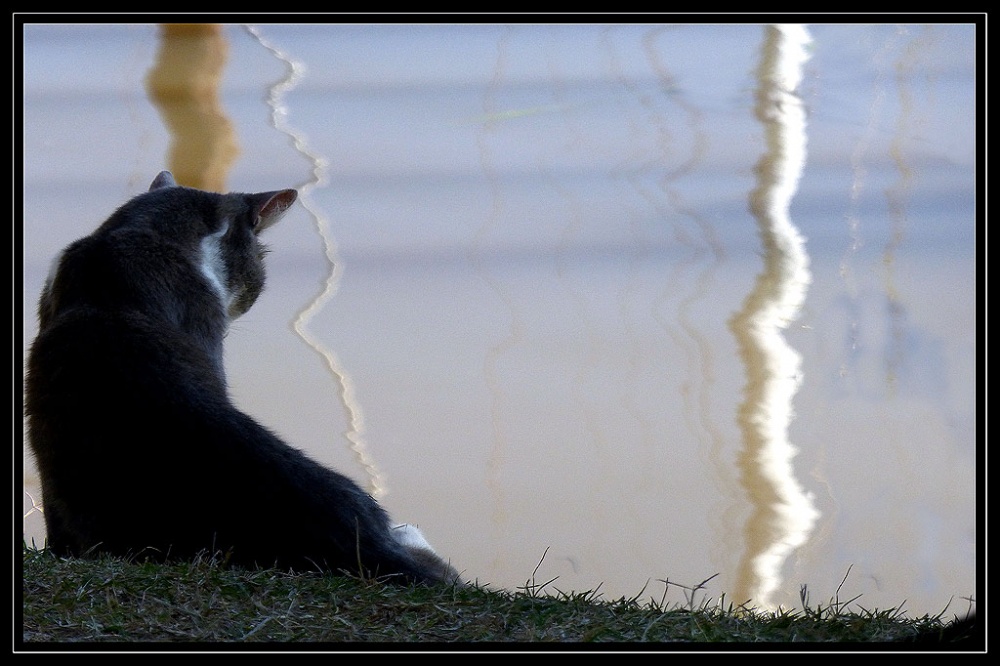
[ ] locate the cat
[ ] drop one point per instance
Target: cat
(140, 451)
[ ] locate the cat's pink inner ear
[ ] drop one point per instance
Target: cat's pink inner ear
(275, 207)
(163, 179)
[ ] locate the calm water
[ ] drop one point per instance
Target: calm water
(609, 305)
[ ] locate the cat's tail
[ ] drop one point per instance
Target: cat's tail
(436, 568)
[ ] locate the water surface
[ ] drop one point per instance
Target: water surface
(607, 305)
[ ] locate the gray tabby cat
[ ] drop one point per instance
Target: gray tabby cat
(140, 451)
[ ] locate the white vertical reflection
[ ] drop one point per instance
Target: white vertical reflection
(783, 514)
(352, 408)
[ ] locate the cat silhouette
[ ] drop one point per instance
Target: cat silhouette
(140, 450)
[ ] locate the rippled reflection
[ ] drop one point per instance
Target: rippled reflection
(184, 86)
(352, 408)
(783, 513)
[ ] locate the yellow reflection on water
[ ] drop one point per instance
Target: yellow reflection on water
(184, 86)
(783, 514)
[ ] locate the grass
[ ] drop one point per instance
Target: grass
(74, 603)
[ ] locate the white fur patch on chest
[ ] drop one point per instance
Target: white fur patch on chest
(213, 266)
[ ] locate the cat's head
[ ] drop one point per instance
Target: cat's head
(229, 254)
(173, 252)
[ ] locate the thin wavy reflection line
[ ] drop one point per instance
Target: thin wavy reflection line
(898, 197)
(859, 180)
(706, 255)
(589, 414)
(349, 402)
(697, 390)
(783, 513)
(496, 460)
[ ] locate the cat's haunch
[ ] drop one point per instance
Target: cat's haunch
(140, 450)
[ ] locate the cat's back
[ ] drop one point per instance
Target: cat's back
(117, 362)
(125, 323)
(125, 392)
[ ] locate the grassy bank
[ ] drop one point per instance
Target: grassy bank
(67, 603)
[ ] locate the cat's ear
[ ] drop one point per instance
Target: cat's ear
(163, 179)
(272, 206)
